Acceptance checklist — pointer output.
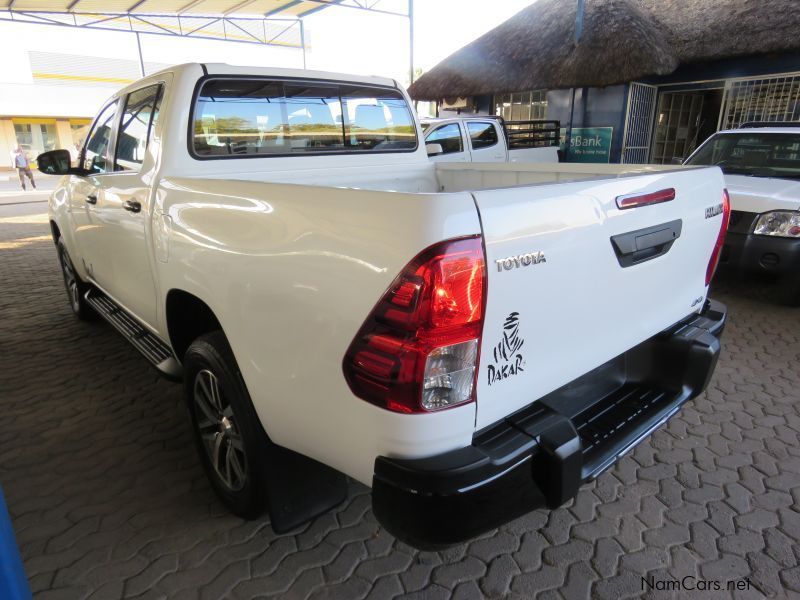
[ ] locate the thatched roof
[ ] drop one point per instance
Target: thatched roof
(704, 30)
(622, 40)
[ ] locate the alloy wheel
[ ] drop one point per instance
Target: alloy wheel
(70, 280)
(218, 431)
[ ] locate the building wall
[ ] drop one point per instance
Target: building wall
(743, 66)
(594, 107)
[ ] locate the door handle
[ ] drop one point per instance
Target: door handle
(132, 206)
(91, 199)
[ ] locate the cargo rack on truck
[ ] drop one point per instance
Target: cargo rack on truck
(532, 134)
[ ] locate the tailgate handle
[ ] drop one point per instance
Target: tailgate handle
(638, 246)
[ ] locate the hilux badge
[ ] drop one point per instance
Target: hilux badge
(520, 260)
(713, 211)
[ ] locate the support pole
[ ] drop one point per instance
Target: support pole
(410, 42)
(568, 135)
(579, 21)
(303, 41)
(578, 33)
(141, 60)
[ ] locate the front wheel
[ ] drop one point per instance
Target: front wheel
(233, 446)
(76, 289)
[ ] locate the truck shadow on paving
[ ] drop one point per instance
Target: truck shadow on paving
(108, 497)
(755, 287)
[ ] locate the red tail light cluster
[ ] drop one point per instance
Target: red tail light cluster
(418, 349)
(723, 229)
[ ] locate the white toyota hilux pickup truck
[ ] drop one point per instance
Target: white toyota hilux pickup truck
(473, 341)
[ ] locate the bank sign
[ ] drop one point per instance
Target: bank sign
(590, 144)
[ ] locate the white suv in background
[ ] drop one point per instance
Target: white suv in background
(761, 163)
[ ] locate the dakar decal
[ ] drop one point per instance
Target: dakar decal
(508, 359)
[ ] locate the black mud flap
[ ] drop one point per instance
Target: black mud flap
(300, 489)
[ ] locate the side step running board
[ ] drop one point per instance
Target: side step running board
(153, 349)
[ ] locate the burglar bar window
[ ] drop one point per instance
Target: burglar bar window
(769, 99)
(522, 106)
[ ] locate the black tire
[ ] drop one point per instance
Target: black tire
(76, 288)
(236, 436)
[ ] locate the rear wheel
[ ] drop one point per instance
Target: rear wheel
(233, 447)
(76, 289)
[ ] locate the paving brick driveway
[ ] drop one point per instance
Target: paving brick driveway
(108, 499)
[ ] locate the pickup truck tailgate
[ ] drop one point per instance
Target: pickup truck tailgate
(574, 281)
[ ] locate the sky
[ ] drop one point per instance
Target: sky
(339, 39)
(349, 40)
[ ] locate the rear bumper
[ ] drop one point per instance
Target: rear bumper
(752, 253)
(542, 454)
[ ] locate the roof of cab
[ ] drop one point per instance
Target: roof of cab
(226, 69)
(794, 130)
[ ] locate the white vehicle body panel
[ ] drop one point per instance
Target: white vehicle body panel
(762, 194)
(292, 253)
(534, 155)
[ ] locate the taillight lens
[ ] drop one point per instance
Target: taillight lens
(723, 229)
(418, 349)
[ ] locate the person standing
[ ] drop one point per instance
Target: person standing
(23, 166)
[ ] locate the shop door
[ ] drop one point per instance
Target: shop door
(638, 123)
(683, 121)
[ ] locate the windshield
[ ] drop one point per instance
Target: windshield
(752, 153)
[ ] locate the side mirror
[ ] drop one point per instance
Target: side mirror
(676, 160)
(433, 149)
(55, 162)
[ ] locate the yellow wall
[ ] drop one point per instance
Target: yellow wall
(7, 143)
(8, 139)
(63, 134)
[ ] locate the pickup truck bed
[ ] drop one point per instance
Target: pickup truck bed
(447, 333)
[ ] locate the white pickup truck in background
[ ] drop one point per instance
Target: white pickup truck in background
(761, 163)
(473, 341)
(486, 139)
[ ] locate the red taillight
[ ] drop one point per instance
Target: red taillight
(636, 200)
(723, 229)
(418, 349)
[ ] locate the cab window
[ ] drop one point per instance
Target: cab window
(263, 117)
(95, 154)
(448, 136)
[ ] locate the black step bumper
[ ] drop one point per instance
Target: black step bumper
(540, 455)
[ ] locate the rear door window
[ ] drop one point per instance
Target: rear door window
(260, 117)
(482, 134)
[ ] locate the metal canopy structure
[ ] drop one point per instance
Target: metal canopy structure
(266, 22)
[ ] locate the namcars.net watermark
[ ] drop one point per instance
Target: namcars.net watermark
(690, 583)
